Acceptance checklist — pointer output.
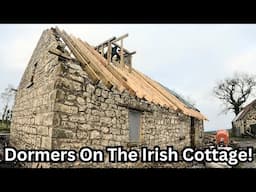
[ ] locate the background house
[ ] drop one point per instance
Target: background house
(245, 121)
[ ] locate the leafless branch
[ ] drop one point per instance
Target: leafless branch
(235, 91)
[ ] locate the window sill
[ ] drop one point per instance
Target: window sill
(133, 144)
(136, 144)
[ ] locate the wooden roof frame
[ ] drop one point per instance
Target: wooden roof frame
(123, 78)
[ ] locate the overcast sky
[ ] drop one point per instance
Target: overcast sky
(188, 58)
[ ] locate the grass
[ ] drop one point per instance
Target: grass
(4, 127)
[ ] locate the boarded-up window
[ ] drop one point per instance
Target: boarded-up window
(134, 126)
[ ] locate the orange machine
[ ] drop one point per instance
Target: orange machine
(222, 137)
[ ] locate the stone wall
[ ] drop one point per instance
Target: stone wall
(64, 110)
(240, 126)
(199, 132)
(33, 113)
(91, 115)
(250, 118)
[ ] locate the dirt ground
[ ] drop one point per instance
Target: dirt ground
(235, 142)
(243, 143)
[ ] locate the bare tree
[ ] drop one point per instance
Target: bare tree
(4, 113)
(8, 95)
(235, 91)
(7, 98)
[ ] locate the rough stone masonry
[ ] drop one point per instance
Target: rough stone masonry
(57, 107)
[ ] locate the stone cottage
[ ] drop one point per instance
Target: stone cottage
(245, 121)
(70, 96)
